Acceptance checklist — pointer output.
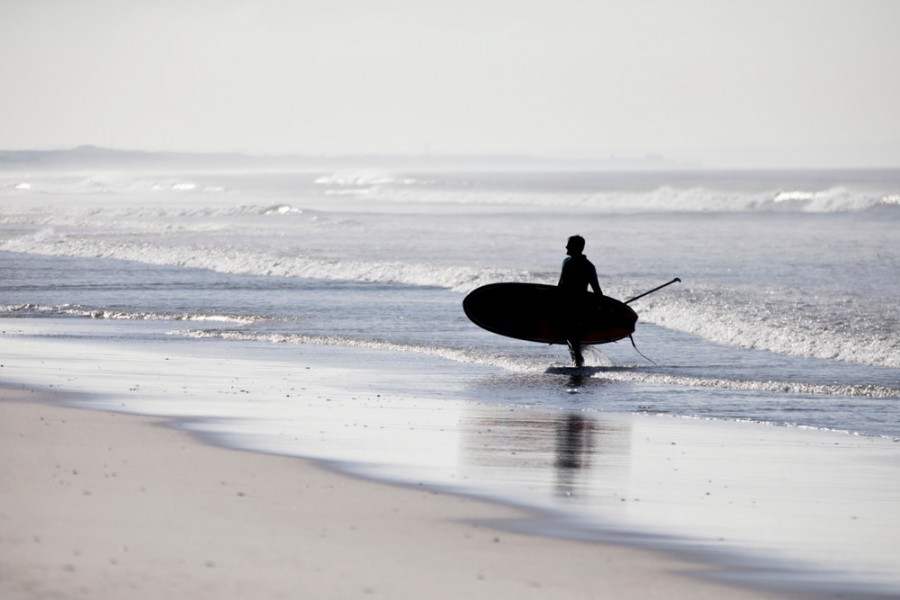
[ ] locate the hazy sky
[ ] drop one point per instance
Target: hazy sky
(778, 81)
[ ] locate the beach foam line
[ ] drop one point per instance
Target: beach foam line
(71, 310)
(623, 374)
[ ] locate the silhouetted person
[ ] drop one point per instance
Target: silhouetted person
(578, 273)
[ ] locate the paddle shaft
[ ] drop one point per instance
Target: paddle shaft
(676, 280)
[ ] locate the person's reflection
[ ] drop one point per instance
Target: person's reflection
(574, 383)
(574, 444)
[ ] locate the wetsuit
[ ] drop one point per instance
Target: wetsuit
(578, 273)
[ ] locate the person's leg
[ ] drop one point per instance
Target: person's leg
(575, 351)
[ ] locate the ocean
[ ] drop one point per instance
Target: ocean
(348, 279)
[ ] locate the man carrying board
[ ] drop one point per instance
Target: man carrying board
(578, 273)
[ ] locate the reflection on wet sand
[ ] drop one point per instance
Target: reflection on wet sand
(570, 454)
(574, 445)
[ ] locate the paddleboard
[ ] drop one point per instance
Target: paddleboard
(537, 313)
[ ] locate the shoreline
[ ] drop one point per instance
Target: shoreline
(98, 503)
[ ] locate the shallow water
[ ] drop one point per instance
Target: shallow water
(709, 379)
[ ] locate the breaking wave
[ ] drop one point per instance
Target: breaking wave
(836, 328)
(242, 261)
(664, 199)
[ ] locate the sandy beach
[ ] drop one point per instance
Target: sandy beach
(105, 505)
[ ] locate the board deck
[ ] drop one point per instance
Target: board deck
(538, 313)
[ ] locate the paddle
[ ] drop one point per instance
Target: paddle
(676, 280)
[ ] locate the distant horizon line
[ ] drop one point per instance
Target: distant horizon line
(649, 160)
(649, 156)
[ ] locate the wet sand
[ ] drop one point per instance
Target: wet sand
(105, 505)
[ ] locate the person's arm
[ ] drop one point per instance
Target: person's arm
(593, 282)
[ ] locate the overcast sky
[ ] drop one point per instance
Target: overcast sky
(777, 81)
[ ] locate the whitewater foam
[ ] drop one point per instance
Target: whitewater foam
(784, 326)
(237, 260)
(103, 313)
(460, 355)
(620, 374)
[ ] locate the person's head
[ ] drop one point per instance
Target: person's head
(575, 245)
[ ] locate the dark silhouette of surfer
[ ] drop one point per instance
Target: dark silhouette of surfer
(578, 273)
